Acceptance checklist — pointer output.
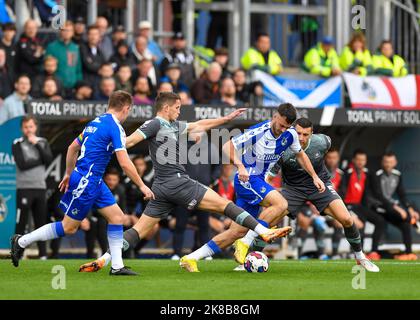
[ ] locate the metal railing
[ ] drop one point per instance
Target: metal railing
(399, 21)
(405, 32)
(239, 21)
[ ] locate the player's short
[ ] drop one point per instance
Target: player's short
(250, 194)
(83, 195)
(180, 190)
(297, 198)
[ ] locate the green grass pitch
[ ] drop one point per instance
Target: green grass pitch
(163, 279)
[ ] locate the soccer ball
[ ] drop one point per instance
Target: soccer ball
(256, 261)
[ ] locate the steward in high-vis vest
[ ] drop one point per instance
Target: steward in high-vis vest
(355, 57)
(322, 60)
(262, 57)
(386, 63)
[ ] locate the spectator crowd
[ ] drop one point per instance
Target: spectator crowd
(90, 62)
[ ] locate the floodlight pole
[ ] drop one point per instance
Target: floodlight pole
(92, 12)
(129, 19)
(188, 21)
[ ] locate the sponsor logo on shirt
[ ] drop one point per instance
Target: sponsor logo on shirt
(268, 157)
(284, 141)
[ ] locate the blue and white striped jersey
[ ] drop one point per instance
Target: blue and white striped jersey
(260, 149)
(99, 140)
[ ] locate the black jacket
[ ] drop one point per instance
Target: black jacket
(44, 154)
(6, 83)
(386, 186)
(91, 63)
(117, 60)
(247, 93)
(185, 59)
(10, 58)
(26, 61)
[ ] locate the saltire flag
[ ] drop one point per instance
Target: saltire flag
(304, 93)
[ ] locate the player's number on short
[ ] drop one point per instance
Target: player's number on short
(83, 149)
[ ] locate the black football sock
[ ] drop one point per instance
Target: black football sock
(240, 216)
(131, 239)
(257, 245)
(353, 237)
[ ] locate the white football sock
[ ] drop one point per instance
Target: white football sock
(107, 258)
(115, 241)
(201, 253)
(359, 255)
(46, 232)
(249, 237)
(260, 229)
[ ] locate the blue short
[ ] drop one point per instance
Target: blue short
(250, 194)
(83, 195)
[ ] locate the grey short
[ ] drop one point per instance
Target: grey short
(179, 190)
(297, 198)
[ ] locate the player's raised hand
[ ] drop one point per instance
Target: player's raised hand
(148, 194)
(235, 113)
(319, 184)
(64, 184)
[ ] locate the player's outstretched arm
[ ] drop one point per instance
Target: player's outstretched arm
(71, 159)
(130, 170)
(207, 124)
(133, 139)
(306, 164)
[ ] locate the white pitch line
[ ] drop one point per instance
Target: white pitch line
(346, 262)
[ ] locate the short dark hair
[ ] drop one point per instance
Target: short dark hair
(222, 51)
(389, 154)
(50, 78)
(289, 111)
(23, 75)
(238, 70)
(123, 65)
(28, 118)
(262, 34)
(359, 152)
(304, 123)
(119, 99)
(92, 27)
(105, 64)
(138, 157)
(144, 61)
(112, 171)
(333, 149)
(386, 41)
(8, 26)
(103, 79)
(165, 98)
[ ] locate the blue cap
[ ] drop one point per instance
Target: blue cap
(328, 40)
